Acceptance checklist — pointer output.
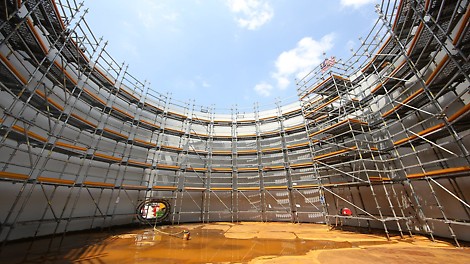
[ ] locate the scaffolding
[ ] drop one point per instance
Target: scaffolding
(390, 141)
(384, 133)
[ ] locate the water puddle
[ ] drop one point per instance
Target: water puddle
(164, 245)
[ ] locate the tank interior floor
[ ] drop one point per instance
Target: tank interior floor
(244, 242)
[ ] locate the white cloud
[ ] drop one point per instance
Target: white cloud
(205, 84)
(202, 82)
(147, 15)
(264, 89)
(251, 14)
(356, 3)
(172, 16)
(298, 61)
(155, 13)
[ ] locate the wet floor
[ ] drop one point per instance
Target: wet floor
(209, 243)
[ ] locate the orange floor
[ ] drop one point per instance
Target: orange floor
(233, 243)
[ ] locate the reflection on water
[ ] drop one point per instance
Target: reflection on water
(164, 245)
(212, 246)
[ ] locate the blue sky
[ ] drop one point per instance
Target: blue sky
(228, 52)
